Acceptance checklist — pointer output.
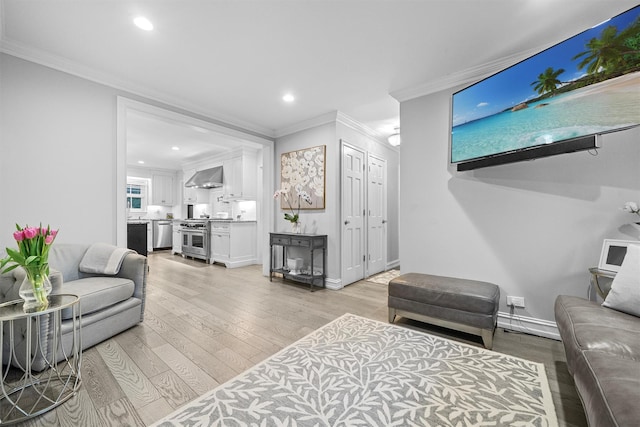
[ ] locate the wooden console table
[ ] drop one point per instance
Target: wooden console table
(312, 242)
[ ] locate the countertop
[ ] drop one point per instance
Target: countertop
(216, 220)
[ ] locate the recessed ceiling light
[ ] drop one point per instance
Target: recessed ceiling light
(288, 98)
(141, 162)
(175, 148)
(143, 23)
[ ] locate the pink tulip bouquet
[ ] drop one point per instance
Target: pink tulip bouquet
(32, 255)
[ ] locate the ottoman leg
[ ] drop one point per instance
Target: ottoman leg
(487, 338)
(392, 314)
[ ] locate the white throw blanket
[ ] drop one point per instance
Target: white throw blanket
(102, 258)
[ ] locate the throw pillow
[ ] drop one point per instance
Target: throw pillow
(625, 289)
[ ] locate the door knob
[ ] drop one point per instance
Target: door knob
(346, 222)
(384, 221)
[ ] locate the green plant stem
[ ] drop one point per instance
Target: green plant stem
(37, 279)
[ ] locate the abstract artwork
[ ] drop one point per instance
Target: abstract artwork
(303, 171)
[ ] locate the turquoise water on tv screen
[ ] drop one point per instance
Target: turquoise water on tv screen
(594, 109)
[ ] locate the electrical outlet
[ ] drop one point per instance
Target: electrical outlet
(515, 301)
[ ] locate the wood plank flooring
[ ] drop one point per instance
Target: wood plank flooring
(205, 324)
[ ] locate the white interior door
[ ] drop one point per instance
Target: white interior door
(353, 243)
(376, 219)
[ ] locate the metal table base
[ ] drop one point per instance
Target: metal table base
(26, 392)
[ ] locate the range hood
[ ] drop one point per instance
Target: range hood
(208, 178)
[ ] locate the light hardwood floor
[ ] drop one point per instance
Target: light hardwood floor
(204, 324)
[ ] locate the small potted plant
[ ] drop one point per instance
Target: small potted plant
(294, 216)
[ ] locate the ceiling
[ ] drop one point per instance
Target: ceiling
(233, 60)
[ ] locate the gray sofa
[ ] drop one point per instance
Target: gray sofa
(603, 356)
(109, 304)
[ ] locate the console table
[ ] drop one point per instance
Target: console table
(24, 392)
(311, 242)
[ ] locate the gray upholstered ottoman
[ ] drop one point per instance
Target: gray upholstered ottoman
(464, 305)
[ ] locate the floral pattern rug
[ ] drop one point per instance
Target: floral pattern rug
(384, 277)
(360, 372)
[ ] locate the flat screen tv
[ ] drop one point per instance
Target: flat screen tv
(554, 102)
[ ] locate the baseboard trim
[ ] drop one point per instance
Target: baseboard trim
(333, 284)
(392, 264)
(528, 325)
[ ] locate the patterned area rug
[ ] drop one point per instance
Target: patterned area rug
(359, 372)
(384, 277)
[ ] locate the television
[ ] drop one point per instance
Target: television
(554, 102)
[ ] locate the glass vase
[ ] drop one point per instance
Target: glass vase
(296, 227)
(35, 287)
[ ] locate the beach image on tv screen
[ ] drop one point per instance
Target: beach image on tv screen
(586, 85)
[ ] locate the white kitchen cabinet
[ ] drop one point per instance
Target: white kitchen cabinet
(233, 243)
(194, 196)
(162, 190)
(240, 177)
(177, 239)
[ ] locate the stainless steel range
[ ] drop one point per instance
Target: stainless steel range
(196, 238)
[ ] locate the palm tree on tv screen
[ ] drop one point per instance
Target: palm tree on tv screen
(612, 52)
(547, 81)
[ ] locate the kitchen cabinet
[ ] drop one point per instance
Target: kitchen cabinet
(233, 243)
(177, 239)
(240, 177)
(194, 196)
(162, 190)
(137, 237)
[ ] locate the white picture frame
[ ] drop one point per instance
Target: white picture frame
(613, 253)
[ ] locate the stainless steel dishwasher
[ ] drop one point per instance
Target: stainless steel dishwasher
(162, 234)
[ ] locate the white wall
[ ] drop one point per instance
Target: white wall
(533, 228)
(58, 162)
(325, 221)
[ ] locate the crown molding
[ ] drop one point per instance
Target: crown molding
(324, 119)
(70, 67)
(364, 130)
(335, 117)
(464, 77)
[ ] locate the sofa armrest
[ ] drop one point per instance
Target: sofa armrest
(134, 267)
(10, 284)
(8, 287)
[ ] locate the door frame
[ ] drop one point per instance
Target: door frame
(125, 105)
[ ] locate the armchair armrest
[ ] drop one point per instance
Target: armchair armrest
(10, 283)
(134, 267)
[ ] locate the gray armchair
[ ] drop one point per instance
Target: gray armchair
(108, 304)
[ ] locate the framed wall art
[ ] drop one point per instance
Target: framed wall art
(303, 171)
(613, 252)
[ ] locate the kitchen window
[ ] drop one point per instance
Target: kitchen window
(137, 195)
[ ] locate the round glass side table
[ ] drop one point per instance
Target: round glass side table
(40, 358)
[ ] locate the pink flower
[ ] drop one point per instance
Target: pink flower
(49, 239)
(19, 236)
(30, 232)
(53, 233)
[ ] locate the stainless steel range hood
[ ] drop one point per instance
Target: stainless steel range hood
(208, 178)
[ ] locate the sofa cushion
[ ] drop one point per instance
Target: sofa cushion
(625, 290)
(65, 257)
(97, 293)
(585, 325)
(608, 386)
